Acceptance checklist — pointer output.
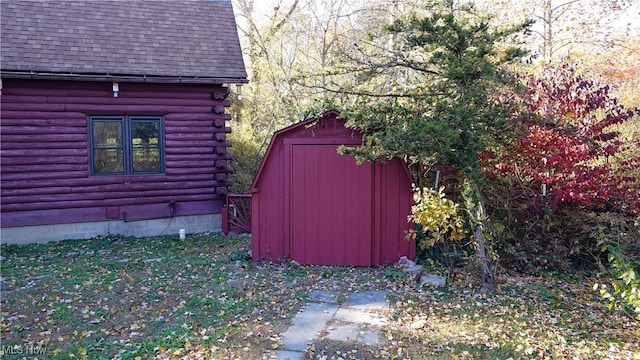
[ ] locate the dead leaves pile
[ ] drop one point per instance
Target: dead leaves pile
(160, 298)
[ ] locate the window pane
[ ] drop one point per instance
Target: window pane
(145, 146)
(108, 145)
(145, 131)
(108, 161)
(107, 133)
(146, 160)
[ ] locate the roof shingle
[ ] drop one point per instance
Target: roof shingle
(166, 38)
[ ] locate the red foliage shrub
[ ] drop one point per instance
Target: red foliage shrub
(571, 153)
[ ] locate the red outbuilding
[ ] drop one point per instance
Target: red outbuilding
(317, 207)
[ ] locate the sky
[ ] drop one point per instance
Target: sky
(628, 20)
(631, 16)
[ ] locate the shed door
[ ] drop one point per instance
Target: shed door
(331, 198)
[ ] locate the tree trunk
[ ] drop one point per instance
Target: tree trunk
(480, 222)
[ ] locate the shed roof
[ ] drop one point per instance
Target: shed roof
(139, 40)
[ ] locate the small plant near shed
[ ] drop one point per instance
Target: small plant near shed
(438, 217)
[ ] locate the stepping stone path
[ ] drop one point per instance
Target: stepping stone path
(358, 319)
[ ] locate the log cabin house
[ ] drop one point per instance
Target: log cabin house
(113, 117)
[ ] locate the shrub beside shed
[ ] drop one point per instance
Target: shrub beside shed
(317, 207)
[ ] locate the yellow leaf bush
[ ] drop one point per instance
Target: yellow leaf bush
(437, 216)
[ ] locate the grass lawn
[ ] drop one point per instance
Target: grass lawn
(159, 298)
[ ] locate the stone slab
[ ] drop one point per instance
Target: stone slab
(369, 337)
(352, 332)
(343, 333)
(322, 296)
(290, 355)
(358, 316)
(368, 300)
(354, 319)
(307, 324)
(435, 280)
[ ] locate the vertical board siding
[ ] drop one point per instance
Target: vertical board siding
(269, 208)
(395, 197)
(44, 143)
(331, 207)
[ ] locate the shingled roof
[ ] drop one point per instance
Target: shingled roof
(137, 40)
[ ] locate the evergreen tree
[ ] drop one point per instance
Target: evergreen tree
(431, 88)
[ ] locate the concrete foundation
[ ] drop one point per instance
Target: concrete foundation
(154, 227)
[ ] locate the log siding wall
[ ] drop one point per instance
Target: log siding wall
(44, 152)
